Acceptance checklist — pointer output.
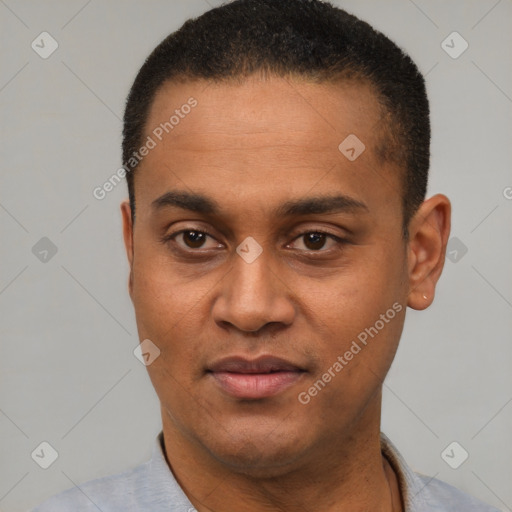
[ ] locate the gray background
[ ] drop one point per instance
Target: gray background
(67, 369)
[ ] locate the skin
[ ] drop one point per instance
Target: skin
(251, 147)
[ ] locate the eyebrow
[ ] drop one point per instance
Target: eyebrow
(305, 206)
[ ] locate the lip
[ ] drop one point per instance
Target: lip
(255, 379)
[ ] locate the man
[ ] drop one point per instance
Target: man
(277, 156)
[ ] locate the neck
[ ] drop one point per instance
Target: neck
(345, 473)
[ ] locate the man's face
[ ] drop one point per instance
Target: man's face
(259, 153)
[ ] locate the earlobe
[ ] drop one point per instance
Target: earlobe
(429, 230)
(128, 238)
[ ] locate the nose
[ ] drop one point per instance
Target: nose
(253, 296)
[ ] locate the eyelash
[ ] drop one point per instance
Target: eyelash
(340, 241)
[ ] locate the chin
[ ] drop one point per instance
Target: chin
(257, 454)
(257, 464)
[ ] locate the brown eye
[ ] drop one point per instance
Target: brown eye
(191, 239)
(194, 239)
(314, 241)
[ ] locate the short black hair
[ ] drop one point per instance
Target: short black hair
(311, 39)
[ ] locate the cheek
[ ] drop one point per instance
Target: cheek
(355, 298)
(170, 313)
(358, 315)
(161, 297)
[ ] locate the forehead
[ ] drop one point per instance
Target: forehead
(257, 105)
(264, 135)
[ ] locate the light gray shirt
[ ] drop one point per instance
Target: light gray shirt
(152, 487)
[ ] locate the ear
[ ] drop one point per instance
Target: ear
(429, 230)
(126, 213)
